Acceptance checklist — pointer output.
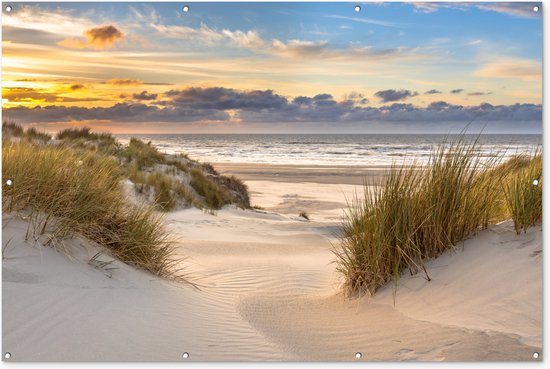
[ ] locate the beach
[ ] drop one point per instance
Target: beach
(320, 174)
(289, 182)
(266, 289)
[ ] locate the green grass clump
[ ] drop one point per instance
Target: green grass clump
(240, 189)
(233, 189)
(181, 192)
(103, 143)
(177, 164)
(81, 192)
(418, 213)
(523, 193)
(162, 184)
(83, 133)
(135, 174)
(142, 154)
(167, 190)
(214, 195)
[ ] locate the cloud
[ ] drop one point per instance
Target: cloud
(523, 69)
(99, 38)
(219, 104)
(144, 95)
(457, 91)
(22, 94)
(432, 92)
(158, 83)
(124, 82)
(421, 7)
(300, 49)
(32, 95)
(517, 9)
(394, 95)
(76, 87)
(133, 82)
(355, 98)
(103, 36)
(121, 113)
(445, 112)
(28, 36)
(59, 21)
(364, 20)
(294, 48)
(221, 98)
(248, 39)
(205, 35)
(252, 41)
(479, 93)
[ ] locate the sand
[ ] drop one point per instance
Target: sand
(333, 174)
(268, 291)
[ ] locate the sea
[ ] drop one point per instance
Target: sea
(328, 149)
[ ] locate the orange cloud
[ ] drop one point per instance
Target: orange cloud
(524, 69)
(35, 96)
(98, 38)
(124, 82)
(103, 36)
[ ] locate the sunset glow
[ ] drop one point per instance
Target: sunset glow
(263, 67)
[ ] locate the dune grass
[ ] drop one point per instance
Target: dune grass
(80, 192)
(103, 143)
(214, 195)
(32, 134)
(163, 188)
(523, 193)
(12, 129)
(142, 154)
(83, 133)
(419, 212)
(167, 191)
(171, 180)
(241, 189)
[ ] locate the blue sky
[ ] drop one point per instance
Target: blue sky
(391, 66)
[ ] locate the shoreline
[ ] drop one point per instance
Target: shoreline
(300, 173)
(268, 285)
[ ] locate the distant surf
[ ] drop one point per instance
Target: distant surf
(325, 149)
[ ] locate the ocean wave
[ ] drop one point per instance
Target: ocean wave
(330, 150)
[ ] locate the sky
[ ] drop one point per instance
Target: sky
(273, 67)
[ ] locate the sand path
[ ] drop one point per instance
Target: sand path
(268, 291)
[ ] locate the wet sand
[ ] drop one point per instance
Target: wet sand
(349, 175)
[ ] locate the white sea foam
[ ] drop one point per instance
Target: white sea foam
(360, 149)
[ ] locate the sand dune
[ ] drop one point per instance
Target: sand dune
(268, 291)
